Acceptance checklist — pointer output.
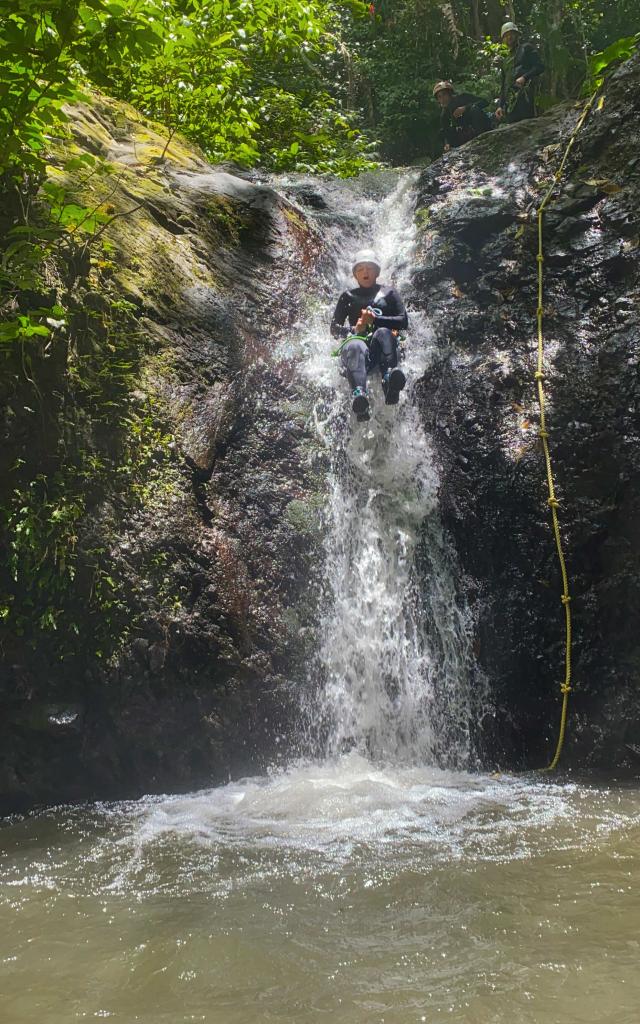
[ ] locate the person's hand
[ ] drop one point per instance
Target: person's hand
(365, 320)
(500, 113)
(520, 82)
(459, 111)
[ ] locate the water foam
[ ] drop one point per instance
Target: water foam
(393, 668)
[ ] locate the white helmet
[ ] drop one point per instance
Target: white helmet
(508, 26)
(366, 256)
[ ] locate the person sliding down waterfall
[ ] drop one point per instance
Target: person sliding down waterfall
(375, 313)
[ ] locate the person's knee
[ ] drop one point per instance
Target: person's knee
(386, 346)
(351, 354)
(354, 359)
(383, 335)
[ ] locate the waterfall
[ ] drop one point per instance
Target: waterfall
(392, 673)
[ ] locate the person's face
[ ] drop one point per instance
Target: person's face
(366, 274)
(443, 97)
(511, 39)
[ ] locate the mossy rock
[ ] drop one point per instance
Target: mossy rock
(305, 516)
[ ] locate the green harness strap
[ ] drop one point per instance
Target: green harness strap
(349, 337)
(359, 337)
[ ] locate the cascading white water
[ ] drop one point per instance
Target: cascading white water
(394, 650)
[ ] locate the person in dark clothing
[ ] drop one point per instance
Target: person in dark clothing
(462, 115)
(520, 69)
(375, 313)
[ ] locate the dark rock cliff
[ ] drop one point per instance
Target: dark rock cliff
(477, 272)
(197, 568)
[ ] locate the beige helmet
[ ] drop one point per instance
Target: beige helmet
(366, 256)
(508, 26)
(442, 87)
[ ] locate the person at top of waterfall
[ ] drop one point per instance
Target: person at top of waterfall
(375, 314)
(462, 115)
(520, 69)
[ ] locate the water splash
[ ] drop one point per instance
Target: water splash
(393, 667)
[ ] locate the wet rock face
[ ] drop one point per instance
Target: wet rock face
(478, 274)
(209, 557)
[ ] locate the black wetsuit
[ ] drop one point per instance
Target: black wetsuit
(352, 302)
(519, 103)
(382, 349)
(455, 131)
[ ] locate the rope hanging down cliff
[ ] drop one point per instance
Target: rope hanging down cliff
(552, 501)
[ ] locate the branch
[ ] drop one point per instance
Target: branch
(98, 234)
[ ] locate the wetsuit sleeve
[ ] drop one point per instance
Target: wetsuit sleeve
(338, 330)
(396, 318)
(530, 64)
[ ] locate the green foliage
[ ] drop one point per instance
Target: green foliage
(41, 520)
(53, 576)
(34, 78)
(247, 82)
(408, 45)
(602, 63)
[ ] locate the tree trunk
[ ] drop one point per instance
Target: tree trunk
(477, 24)
(556, 73)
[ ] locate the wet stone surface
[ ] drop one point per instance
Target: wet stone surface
(207, 561)
(477, 273)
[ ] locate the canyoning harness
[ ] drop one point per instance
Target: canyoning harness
(525, 62)
(359, 337)
(520, 103)
(350, 337)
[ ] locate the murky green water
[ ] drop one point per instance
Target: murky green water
(337, 892)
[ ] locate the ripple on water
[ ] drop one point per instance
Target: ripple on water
(346, 890)
(311, 818)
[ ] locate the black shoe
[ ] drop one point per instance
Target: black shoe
(360, 404)
(392, 384)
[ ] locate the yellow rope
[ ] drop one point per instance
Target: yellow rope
(552, 501)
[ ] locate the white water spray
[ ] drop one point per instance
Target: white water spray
(394, 660)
